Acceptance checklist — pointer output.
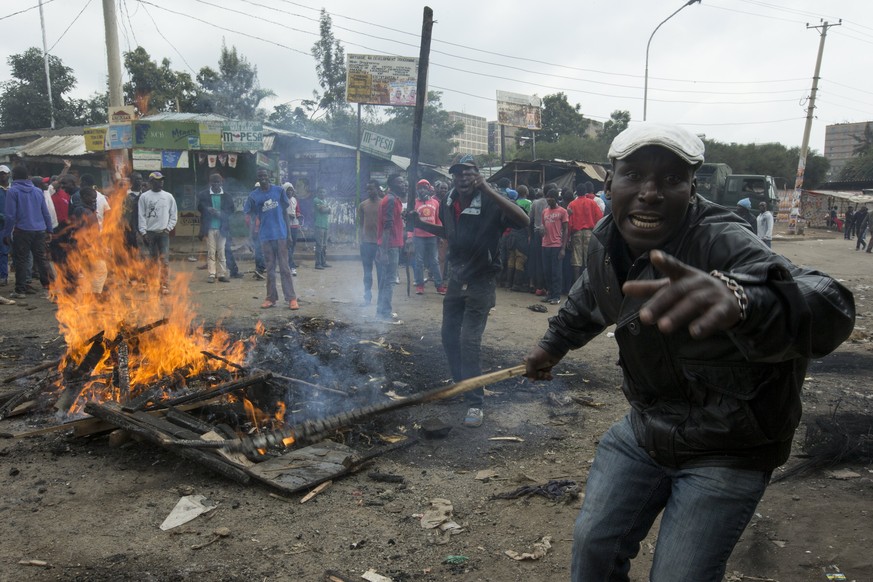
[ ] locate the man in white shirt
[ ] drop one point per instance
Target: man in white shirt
(765, 224)
(157, 217)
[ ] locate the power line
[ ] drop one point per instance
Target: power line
(129, 23)
(832, 82)
(25, 10)
(70, 25)
(157, 28)
(480, 74)
(539, 62)
(745, 122)
(274, 43)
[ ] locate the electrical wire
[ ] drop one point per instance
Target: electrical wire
(70, 25)
(129, 22)
(157, 28)
(530, 83)
(25, 10)
(535, 61)
(280, 45)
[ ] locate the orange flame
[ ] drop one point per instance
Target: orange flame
(131, 298)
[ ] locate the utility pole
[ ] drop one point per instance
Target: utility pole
(794, 216)
(420, 102)
(118, 159)
(116, 97)
(45, 56)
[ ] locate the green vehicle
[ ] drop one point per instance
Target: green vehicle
(756, 187)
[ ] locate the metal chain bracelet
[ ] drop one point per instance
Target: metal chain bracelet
(737, 289)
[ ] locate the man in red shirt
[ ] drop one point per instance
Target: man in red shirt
(555, 221)
(390, 240)
(584, 214)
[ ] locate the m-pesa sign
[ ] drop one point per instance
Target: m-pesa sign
(377, 145)
(242, 136)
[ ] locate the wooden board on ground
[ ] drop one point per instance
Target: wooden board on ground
(303, 468)
(290, 472)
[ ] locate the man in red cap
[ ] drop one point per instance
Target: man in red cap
(424, 242)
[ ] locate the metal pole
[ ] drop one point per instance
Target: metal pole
(45, 56)
(358, 219)
(794, 214)
(646, 81)
(533, 145)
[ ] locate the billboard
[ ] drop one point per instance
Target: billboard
(519, 110)
(381, 80)
(242, 136)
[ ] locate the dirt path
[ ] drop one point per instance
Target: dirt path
(92, 511)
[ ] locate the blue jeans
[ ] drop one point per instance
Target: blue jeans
(426, 257)
(158, 248)
(465, 313)
(368, 259)
(260, 267)
(389, 260)
(292, 244)
(552, 269)
(320, 246)
(4, 261)
(705, 510)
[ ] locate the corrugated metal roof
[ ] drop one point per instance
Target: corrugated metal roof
(68, 146)
(7, 153)
(271, 132)
(856, 196)
(173, 116)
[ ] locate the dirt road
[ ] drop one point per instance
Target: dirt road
(91, 512)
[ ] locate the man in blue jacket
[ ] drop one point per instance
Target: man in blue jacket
(715, 333)
(28, 227)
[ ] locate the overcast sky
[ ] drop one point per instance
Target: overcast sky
(734, 70)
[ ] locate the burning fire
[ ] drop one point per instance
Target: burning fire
(130, 299)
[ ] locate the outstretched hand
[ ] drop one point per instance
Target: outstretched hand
(687, 296)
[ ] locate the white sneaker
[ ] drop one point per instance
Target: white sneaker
(294, 272)
(474, 418)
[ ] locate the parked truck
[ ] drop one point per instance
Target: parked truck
(717, 183)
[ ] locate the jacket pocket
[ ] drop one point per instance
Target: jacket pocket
(724, 397)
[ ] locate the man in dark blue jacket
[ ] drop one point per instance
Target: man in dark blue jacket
(28, 227)
(715, 332)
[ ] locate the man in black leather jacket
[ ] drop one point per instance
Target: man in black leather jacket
(715, 332)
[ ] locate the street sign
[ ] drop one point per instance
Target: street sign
(122, 114)
(377, 145)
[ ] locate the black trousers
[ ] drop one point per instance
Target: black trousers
(24, 243)
(465, 313)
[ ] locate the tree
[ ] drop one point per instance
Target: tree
(617, 123)
(437, 131)
(24, 102)
(559, 118)
(864, 143)
(330, 65)
(233, 90)
(155, 88)
(569, 147)
(772, 159)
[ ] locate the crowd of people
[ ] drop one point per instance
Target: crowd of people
(714, 330)
(42, 220)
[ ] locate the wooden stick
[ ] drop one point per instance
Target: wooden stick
(305, 383)
(218, 390)
(316, 491)
(220, 359)
(34, 370)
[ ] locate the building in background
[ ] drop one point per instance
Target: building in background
(474, 138)
(841, 140)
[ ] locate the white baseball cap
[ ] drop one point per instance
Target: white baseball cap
(4, 170)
